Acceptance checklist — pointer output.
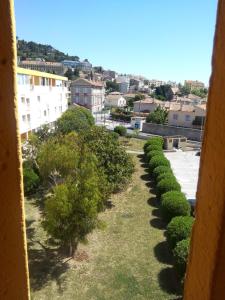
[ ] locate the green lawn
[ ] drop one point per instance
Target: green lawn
(127, 259)
(132, 143)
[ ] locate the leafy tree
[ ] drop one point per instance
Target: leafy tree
(71, 212)
(139, 97)
(112, 86)
(69, 74)
(117, 165)
(31, 179)
(74, 119)
(159, 116)
(164, 92)
(184, 90)
(121, 130)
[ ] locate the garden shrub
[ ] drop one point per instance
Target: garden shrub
(153, 147)
(165, 175)
(158, 160)
(154, 141)
(121, 130)
(153, 153)
(179, 229)
(174, 204)
(167, 184)
(31, 179)
(180, 254)
(160, 170)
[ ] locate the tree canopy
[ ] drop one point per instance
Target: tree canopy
(112, 86)
(159, 116)
(164, 92)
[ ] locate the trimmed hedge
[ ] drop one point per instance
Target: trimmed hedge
(165, 175)
(158, 160)
(179, 229)
(153, 147)
(153, 141)
(121, 130)
(180, 254)
(174, 204)
(160, 170)
(153, 153)
(168, 184)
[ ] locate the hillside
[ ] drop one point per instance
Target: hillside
(34, 50)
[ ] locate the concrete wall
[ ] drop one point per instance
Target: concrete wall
(164, 130)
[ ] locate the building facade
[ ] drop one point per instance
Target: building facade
(44, 66)
(42, 98)
(147, 105)
(115, 99)
(194, 84)
(84, 66)
(87, 93)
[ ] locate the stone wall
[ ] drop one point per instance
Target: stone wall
(165, 130)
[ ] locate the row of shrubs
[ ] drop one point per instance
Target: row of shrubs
(121, 116)
(174, 207)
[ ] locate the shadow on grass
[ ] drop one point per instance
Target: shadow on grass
(168, 282)
(153, 201)
(163, 254)
(157, 223)
(45, 266)
(156, 212)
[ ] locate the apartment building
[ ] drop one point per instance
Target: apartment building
(194, 84)
(42, 98)
(44, 66)
(84, 66)
(88, 93)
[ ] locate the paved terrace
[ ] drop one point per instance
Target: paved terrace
(185, 166)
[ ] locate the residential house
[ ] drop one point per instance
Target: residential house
(147, 105)
(115, 99)
(42, 98)
(88, 93)
(124, 83)
(194, 84)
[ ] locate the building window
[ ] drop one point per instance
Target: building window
(24, 118)
(27, 101)
(38, 98)
(23, 99)
(28, 118)
(187, 118)
(175, 117)
(45, 113)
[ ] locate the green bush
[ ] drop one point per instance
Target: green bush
(167, 184)
(179, 229)
(121, 130)
(165, 175)
(153, 147)
(180, 254)
(153, 141)
(158, 160)
(160, 170)
(31, 179)
(153, 153)
(174, 204)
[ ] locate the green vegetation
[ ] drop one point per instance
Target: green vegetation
(112, 86)
(31, 179)
(34, 50)
(179, 229)
(158, 160)
(180, 253)
(161, 170)
(174, 204)
(163, 92)
(167, 184)
(74, 119)
(121, 130)
(125, 259)
(159, 116)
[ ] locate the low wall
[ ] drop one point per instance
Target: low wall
(165, 130)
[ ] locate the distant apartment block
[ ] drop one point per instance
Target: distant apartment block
(42, 98)
(88, 93)
(156, 82)
(84, 66)
(43, 66)
(194, 84)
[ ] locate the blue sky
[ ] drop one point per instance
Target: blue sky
(162, 39)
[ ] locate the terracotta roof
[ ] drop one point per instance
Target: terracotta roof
(180, 107)
(201, 106)
(113, 97)
(89, 82)
(150, 100)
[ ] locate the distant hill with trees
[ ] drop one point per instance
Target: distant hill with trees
(34, 50)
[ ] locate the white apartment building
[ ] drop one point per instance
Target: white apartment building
(42, 98)
(88, 93)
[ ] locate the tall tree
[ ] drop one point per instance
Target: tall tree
(159, 116)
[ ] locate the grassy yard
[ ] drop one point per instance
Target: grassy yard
(132, 143)
(127, 259)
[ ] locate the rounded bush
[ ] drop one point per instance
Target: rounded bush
(158, 160)
(31, 179)
(179, 229)
(153, 153)
(165, 175)
(174, 204)
(180, 254)
(154, 141)
(160, 170)
(167, 184)
(153, 147)
(121, 130)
